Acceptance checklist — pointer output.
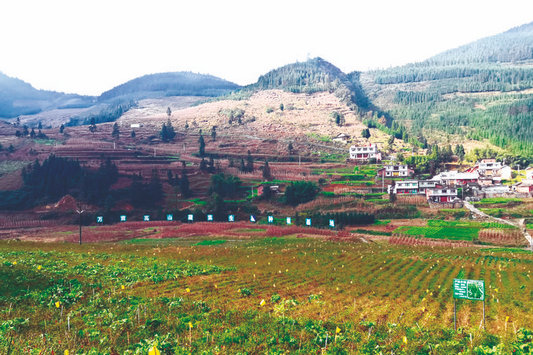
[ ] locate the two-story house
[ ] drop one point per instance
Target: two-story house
(364, 153)
(441, 195)
(406, 187)
(395, 171)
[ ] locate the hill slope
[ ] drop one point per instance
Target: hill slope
(513, 45)
(465, 93)
(20, 98)
(314, 75)
(170, 84)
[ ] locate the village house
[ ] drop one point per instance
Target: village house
(525, 187)
(442, 195)
(454, 178)
(406, 187)
(488, 167)
(423, 185)
(395, 171)
(341, 138)
(365, 153)
(273, 188)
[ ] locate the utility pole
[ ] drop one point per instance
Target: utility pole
(80, 212)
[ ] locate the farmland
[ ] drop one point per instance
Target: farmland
(209, 294)
(377, 280)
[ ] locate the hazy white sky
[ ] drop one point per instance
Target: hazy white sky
(88, 47)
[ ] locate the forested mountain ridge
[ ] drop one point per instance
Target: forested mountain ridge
(514, 45)
(314, 75)
(20, 98)
(483, 90)
(170, 84)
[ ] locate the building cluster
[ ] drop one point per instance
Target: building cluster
(483, 179)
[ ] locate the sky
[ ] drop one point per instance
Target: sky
(88, 47)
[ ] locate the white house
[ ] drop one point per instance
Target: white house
(454, 178)
(423, 185)
(488, 167)
(406, 187)
(441, 195)
(395, 171)
(364, 153)
(505, 173)
(341, 138)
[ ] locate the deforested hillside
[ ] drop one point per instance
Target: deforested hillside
(315, 75)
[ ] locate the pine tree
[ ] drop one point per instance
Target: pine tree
(267, 175)
(170, 130)
(184, 184)
(116, 132)
(61, 128)
(211, 165)
(133, 134)
(290, 147)
(460, 151)
(92, 126)
(249, 162)
(365, 133)
(201, 150)
(203, 165)
(214, 133)
(32, 133)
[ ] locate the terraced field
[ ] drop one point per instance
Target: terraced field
(255, 295)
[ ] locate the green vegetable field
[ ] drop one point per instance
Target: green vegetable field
(259, 295)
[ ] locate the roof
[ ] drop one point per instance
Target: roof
(454, 175)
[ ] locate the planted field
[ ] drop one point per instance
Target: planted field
(258, 295)
(453, 233)
(454, 230)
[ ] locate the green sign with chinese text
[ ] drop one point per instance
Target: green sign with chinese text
(469, 289)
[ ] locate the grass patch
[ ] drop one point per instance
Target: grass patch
(211, 242)
(10, 166)
(197, 201)
(509, 250)
(467, 224)
(371, 232)
(497, 200)
(452, 233)
(382, 222)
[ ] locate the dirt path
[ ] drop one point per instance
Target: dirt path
(520, 224)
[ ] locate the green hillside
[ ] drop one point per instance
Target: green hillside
(478, 91)
(513, 45)
(170, 84)
(20, 98)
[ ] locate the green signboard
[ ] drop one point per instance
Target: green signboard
(469, 289)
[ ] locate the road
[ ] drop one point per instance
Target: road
(520, 224)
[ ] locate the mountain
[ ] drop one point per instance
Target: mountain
(514, 45)
(20, 98)
(314, 75)
(170, 84)
(482, 90)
